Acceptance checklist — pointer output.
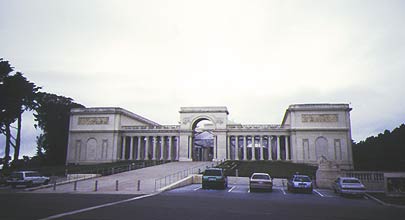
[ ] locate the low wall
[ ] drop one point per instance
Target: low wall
(373, 181)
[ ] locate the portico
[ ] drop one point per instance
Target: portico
(307, 132)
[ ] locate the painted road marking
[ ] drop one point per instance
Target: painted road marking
(233, 187)
(96, 207)
(282, 190)
(320, 194)
(197, 188)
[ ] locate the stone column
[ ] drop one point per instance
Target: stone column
(270, 150)
(287, 147)
(138, 156)
(261, 148)
(228, 148)
(169, 154)
(147, 148)
(124, 144)
(215, 147)
(236, 148)
(177, 145)
(162, 147)
(131, 148)
(244, 148)
(154, 147)
(190, 148)
(278, 148)
(253, 148)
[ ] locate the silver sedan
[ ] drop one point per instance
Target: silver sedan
(348, 186)
(260, 181)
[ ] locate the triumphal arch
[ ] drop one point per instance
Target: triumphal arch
(306, 133)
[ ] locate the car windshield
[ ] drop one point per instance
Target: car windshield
(213, 173)
(351, 181)
(260, 176)
(32, 174)
(302, 179)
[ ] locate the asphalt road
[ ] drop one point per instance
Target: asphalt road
(192, 202)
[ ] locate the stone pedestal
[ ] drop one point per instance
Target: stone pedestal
(327, 172)
(394, 184)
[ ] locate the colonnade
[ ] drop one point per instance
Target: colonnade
(258, 147)
(148, 148)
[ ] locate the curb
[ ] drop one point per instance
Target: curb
(177, 184)
(384, 203)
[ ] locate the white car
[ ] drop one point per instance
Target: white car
(260, 181)
(27, 178)
(348, 186)
(300, 183)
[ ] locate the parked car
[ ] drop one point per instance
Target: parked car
(260, 181)
(214, 178)
(300, 183)
(348, 186)
(27, 178)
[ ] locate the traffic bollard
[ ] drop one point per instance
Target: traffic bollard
(95, 186)
(54, 186)
(116, 185)
(139, 185)
(75, 186)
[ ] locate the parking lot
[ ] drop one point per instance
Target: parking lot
(278, 192)
(193, 202)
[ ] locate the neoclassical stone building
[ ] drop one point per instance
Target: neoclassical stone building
(307, 132)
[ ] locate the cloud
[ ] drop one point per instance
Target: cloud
(255, 57)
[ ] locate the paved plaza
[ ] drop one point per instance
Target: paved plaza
(128, 181)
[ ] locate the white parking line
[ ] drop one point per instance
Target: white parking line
(95, 207)
(282, 190)
(197, 188)
(320, 194)
(233, 187)
(248, 190)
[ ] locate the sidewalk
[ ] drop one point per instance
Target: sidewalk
(128, 181)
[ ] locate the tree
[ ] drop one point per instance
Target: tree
(385, 152)
(52, 116)
(5, 117)
(17, 96)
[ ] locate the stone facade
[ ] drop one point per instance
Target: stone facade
(307, 133)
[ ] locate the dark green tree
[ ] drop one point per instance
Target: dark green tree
(384, 152)
(52, 116)
(17, 96)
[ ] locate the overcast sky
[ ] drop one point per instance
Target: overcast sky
(152, 57)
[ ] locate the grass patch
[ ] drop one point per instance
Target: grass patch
(276, 169)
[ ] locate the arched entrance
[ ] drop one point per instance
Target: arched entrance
(203, 140)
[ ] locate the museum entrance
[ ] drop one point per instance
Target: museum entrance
(203, 140)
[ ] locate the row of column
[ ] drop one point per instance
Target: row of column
(146, 148)
(260, 148)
